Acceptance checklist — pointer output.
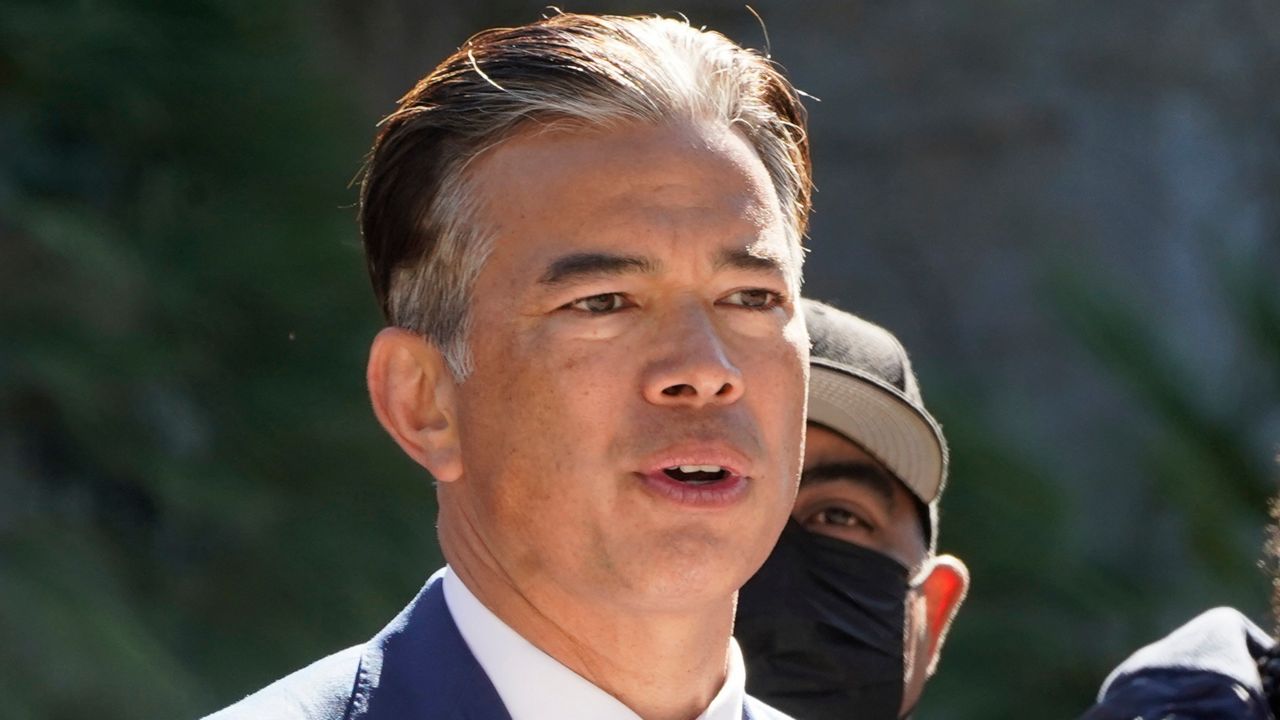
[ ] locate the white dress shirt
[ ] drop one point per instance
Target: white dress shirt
(535, 686)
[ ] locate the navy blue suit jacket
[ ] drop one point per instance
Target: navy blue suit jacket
(417, 668)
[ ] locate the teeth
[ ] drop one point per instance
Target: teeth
(700, 468)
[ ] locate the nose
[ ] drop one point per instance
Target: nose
(691, 367)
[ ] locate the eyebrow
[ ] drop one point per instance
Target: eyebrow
(752, 260)
(575, 267)
(579, 266)
(859, 473)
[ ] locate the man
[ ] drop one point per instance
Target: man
(585, 234)
(848, 615)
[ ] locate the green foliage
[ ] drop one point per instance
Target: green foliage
(1204, 466)
(185, 444)
(1021, 640)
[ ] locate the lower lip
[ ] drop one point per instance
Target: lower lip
(719, 494)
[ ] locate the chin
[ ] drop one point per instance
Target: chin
(697, 569)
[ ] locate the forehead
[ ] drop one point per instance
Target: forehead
(634, 187)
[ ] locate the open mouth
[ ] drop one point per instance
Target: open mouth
(696, 474)
(698, 478)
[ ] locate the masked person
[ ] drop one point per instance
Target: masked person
(847, 617)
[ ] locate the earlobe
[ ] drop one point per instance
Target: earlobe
(414, 398)
(943, 589)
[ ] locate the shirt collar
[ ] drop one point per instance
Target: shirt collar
(533, 685)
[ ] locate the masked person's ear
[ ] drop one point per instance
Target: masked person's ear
(943, 586)
(414, 397)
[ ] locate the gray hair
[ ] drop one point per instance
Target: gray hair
(425, 242)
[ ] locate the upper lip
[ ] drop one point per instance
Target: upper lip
(718, 453)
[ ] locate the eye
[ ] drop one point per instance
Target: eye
(838, 517)
(601, 304)
(754, 299)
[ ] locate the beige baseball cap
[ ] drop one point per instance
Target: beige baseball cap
(861, 385)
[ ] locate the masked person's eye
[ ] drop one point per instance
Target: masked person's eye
(839, 517)
(600, 304)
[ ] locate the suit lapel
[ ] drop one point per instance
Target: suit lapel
(420, 668)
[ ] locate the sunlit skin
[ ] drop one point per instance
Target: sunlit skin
(848, 495)
(637, 311)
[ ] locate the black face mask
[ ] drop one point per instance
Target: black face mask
(821, 629)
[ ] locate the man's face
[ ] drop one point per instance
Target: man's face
(848, 495)
(636, 316)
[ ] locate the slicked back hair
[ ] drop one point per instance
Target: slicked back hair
(425, 243)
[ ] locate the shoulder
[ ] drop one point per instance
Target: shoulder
(320, 691)
(753, 709)
(1205, 668)
(1221, 641)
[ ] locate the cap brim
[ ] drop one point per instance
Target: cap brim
(876, 416)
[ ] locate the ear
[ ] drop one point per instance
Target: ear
(414, 396)
(943, 590)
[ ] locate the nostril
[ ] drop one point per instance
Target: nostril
(725, 389)
(677, 390)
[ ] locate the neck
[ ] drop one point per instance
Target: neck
(662, 665)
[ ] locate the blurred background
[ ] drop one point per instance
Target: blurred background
(1069, 211)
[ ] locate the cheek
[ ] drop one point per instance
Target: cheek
(575, 387)
(777, 379)
(538, 400)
